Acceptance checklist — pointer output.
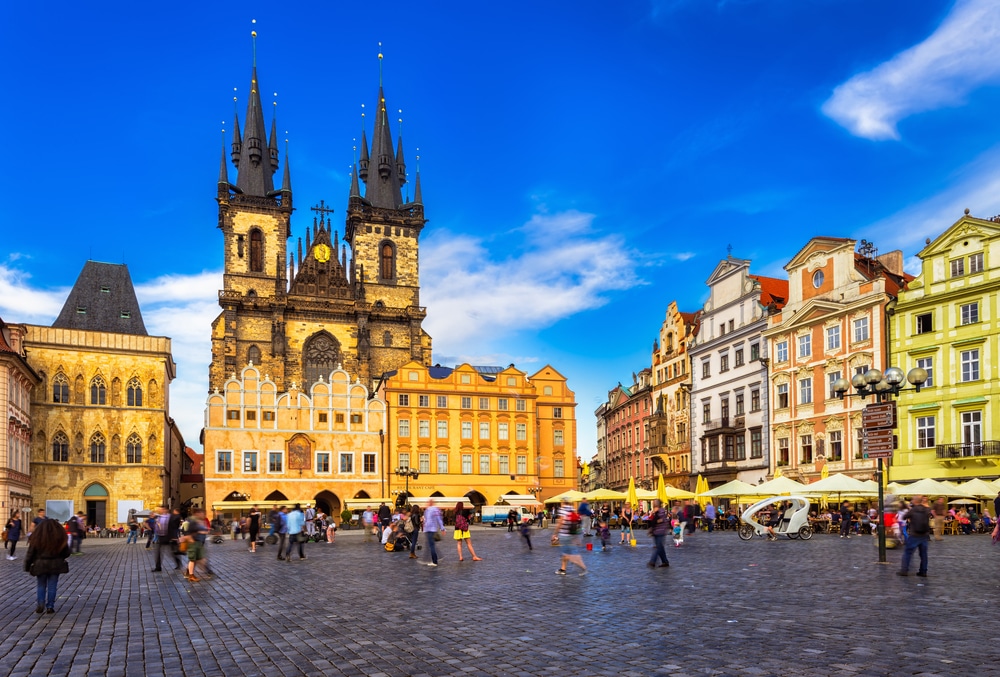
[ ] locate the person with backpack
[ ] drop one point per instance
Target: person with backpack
(586, 518)
(133, 530)
(918, 532)
(411, 526)
(659, 527)
(13, 533)
(567, 536)
(78, 531)
(462, 533)
(166, 526)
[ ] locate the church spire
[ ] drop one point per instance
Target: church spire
(254, 163)
(382, 186)
(223, 173)
(272, 146)
(355, 188)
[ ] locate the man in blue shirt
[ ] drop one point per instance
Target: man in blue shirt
(294, 522)
(281, 529)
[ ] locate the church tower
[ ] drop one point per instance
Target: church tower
(255, 221)
(383, 231)
(299, 315)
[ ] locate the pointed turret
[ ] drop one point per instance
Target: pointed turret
(286, 179)
(400, 164)
(272, 146)
(254, 163)
(237, 138)
(383, 185)
(355, 188)
(418, 197)
(363, 164)
(223, 172)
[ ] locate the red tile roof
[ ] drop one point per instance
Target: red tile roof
(772, 290)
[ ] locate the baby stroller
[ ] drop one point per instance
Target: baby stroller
(399, 542)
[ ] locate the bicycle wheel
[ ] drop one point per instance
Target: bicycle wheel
(745, 532)
(805, 532)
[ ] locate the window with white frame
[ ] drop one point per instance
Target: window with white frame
(323, 462)
(404, 427)
(484, 430)
(223, 461)
(805, 345)
(423, 428)
(957, 267)
(346, 462)
(503, 463)
(976, 263)
(861, 332)
(424, 460)
(368, 463)
(832, 338)
(502, 431)
(723, 362)
(738, 357)
(836, 438)
(969, 313)
(556, 412)
(424, 400)
(926, 439)
(466, 403)
(925, 323)
(755, 399)
(756, 443)
(782, 392)
(404, 460)
(706, 368)
(502, 404)
(970, 365)
(404, 400)
(442, 401)
(927, 364)
(276, 461)
(484, 464)
(831, 378)
(484, 403)
(520, 405)
(972, 432)
(557, 438)
(520, 432)
(442, 463)
(806, 447)
(466, 430)
(558, 468)
(805, 390)
(783, 451)
(522, 465)
(250, 462)
(781, 351)
(442, 429)
(739, 403)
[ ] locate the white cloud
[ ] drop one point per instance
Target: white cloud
(19, 302)
(682, 256)
(960, 56)
(975, 187)
(561, 268)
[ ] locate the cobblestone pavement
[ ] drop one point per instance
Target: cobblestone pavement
(724, 607)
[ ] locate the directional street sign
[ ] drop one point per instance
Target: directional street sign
(881, 415)
(878, 454)
(879, 436)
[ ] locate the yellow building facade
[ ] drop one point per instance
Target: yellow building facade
(946, 322)
(268, 447)
(481, 432)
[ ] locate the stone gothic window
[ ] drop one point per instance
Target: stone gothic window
(320, 356)
(98, 448)
(253, 356)
(133, 449)
(98, 391)
(60, 389)
(387, 262)
(134, 393)
(60, 447)
(387, 338)
(256, 251)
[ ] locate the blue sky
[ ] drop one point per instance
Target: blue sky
(583, 163)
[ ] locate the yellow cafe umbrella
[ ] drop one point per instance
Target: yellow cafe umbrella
(572, 496)
(979, 488)
(661, 490)
(630, 496)
(779, 486)
(700, 488)
(825, 472)
(604, 495)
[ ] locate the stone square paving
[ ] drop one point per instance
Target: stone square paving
(723, 607)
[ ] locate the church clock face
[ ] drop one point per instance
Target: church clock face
(322, 253)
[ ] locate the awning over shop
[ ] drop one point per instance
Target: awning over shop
(246, 505)
(520, 499)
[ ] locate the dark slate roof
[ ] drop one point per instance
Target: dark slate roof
(102, 299)
(439, 372)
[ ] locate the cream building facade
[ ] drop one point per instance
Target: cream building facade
(17, 379)
(103, 441)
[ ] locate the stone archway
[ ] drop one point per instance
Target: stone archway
(275, 496)
(328, 503)
(361, 495)
(476, 498)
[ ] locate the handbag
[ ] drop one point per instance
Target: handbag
(437, 535)
(182, 544)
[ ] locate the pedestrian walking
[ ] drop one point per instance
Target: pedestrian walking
(368, 524)
(235, 528)
(282, 530)
(567, 536)
(918, 529)
(133, 530)
(253, 525)
(659, 527)
(78, 531)
(14, 534)
(166, 527)
(46, 560)
(39, 518)
(433, 526)
(462, 533)
(331, 531)
(511, 519)
(196, 531)
(149, 525)
(586, 518)
(310, 517)
(526, 533)
(846, 513)
(710, 516)
(411, 526)
(295, 522)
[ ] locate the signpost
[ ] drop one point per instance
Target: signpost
(878, 421)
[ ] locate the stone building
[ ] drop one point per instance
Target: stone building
(103, 439)
(833, 325)
(17, 379)
(299, 314)
(627, 414)
(729, 377)
(669, 424)
(945, 322)
(481, 432)
(268, 447)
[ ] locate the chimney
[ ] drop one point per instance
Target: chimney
(893, 261)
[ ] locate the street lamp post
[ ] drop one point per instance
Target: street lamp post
(882, 387)
(407, 473)
(381, 442)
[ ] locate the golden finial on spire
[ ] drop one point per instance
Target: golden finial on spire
(380, 64)
(253, 35)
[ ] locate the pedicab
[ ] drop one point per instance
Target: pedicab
(794, 520)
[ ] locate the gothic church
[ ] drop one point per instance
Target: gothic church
(297, 315)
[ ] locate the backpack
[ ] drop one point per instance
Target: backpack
(408, 526)
(573, 522)
(461, 523)
(920, 522)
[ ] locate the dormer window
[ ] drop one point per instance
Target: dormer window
(105, 289)
(818, 278)
(126, 314)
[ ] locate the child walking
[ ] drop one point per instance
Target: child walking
(526, 533)
(605, 534)
(678, 533)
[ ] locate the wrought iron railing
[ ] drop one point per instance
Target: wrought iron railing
(969, 449)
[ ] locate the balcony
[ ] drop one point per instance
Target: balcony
(947, 453)
(717, 424)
